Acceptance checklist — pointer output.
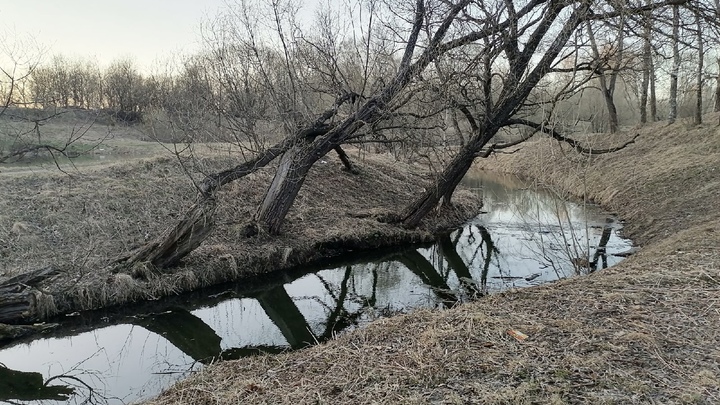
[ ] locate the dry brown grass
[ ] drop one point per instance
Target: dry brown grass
(645, 331)
(79, 223)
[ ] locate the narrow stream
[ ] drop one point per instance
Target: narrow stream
(526, 238)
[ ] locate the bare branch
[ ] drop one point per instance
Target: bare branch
(575, 144)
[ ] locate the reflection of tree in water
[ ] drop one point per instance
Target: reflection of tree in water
(74, 383)
(559, 231)
(484, 249)
(569, 249)
(28, 386)
(429, 275)
(340, 318)
(601, 250)
(185, 331)
(557, 228)
(199, 341)
(349, 300)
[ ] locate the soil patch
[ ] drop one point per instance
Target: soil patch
(645, 331)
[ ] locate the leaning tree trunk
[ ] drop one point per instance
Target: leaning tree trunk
(444, 185)
(185, 237)
(198, 222)
(22, 298)
(285, 186)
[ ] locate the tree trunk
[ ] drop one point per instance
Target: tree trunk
(20, 299)
(701, 60)
(612, 111)
(717, 88)
(443, 186)
(285, 186)
(605, 87)
(345, 159)
(653, 98)
(185, 237)
(647, 67)
(672, 115)
(198, 222)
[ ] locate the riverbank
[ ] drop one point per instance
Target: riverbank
(645, 331)
(73, 225)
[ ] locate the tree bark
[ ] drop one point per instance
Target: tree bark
(443, 186)
(700, 72)
(717, 88)
(653, 97)
(285, 186)
(672, 115)
(19, 296)
(345, 159)
(185, 237)
(647, 67)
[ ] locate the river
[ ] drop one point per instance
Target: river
(526, 237)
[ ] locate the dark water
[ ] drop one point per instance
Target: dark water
(526, 238)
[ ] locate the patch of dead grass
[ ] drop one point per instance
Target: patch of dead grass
(79, 223)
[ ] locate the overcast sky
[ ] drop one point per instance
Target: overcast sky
(146, 30)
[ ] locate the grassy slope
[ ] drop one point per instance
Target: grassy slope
(645, 331)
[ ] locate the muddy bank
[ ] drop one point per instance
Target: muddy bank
(645, 331)
(73, 226)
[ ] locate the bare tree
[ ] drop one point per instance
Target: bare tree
(532, 39)
(602, 65)
(20, 132)
(123, 90)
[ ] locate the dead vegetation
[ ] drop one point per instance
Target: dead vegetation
(645, 331)
(78, 223)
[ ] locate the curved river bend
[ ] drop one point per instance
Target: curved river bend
(527, 237)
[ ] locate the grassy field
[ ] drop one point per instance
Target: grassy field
(645, 331)
(127, 191)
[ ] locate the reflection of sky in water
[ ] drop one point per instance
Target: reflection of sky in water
(526, 238)
(123, 361)
(241, 322)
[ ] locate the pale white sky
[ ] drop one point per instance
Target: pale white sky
(145, 30)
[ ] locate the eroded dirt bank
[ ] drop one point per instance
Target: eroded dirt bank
(645, 331)
(74, 225)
